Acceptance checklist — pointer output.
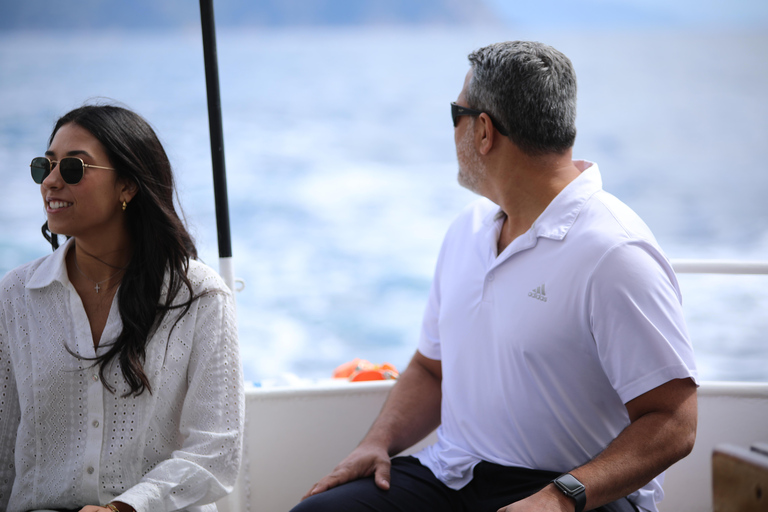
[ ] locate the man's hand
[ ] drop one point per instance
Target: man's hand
(549, 499)
(410, 413)
(364, 461)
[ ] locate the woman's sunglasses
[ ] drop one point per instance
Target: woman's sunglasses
(71, 169)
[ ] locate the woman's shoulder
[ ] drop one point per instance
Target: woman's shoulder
(20, 275)
(204, 279)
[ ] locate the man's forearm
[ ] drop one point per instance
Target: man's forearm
(656, 439)
(412, 409)
(661, 432)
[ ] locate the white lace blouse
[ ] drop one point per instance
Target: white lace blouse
(66, 441)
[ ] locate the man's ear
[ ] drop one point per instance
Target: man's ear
(485, 134)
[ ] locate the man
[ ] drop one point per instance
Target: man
(553, 356)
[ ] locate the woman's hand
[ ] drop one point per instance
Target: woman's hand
(119, 505)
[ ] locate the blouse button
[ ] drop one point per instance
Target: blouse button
(90, 470)
(95, 378)
(95, 423)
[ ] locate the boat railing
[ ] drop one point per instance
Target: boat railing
(703, 266)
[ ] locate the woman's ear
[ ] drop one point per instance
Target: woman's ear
(128, 190)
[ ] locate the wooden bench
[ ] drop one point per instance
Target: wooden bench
(740, 478)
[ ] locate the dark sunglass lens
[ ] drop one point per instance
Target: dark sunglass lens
(41, 168)
(71, 170)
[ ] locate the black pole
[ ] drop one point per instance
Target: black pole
(215, 125)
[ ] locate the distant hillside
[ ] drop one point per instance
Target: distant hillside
(132, 14)
(570, 14)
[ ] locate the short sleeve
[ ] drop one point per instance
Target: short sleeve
(637, 321)
(429, 340)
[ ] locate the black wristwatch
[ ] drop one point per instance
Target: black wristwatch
(573, 489)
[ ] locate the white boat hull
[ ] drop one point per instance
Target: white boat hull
(294, 436)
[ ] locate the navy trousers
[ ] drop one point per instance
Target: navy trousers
(413, 488)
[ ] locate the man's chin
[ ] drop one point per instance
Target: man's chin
(468, 184)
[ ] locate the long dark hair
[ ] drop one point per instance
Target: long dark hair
(161, 243)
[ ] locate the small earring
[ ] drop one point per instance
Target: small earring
(124, 206)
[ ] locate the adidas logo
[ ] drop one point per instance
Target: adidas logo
(538, 293)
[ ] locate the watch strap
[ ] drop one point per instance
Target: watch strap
(581, 501)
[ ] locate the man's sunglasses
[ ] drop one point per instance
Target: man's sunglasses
(457, 111)
(71, 169)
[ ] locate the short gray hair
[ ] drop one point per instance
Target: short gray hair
(529, 89)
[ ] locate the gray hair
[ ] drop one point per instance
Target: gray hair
(529, 89)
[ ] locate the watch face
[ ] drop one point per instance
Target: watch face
(569, 484)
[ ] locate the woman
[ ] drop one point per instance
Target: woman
(120, 379)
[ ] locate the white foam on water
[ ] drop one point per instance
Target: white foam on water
(342, 173)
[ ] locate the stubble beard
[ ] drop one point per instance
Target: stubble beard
(471, 169)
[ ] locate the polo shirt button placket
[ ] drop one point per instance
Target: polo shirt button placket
(489, 277)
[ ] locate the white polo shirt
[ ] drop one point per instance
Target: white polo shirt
(542, 345)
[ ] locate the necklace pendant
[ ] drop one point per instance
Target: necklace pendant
(97, 287)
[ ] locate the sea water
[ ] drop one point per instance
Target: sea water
(341, 168)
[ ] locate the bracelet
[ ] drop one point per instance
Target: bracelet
(113, 508)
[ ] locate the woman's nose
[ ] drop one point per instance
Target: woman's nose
(53, 180)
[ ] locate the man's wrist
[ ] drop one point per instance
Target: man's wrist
(377, 440)
(565, 503)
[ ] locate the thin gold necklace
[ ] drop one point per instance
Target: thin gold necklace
(97, 286)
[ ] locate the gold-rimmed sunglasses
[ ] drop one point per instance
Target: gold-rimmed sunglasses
(71, 169)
